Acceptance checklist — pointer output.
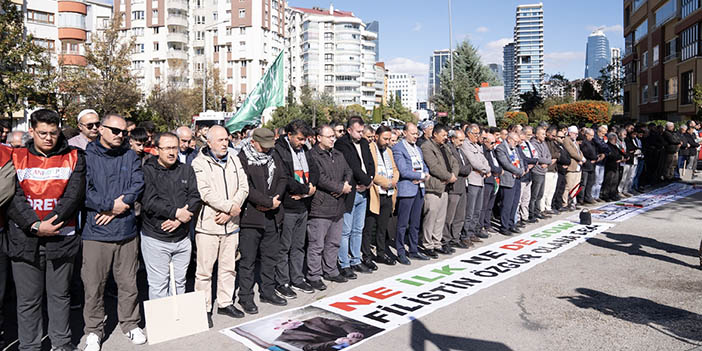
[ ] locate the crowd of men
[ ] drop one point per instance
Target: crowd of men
(287, 209)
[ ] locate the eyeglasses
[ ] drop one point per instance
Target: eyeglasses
(117, 131)
(43, 135)
(340, 131)
(91, 125)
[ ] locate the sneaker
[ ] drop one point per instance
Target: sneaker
(92, 343)
(65, 347)
(136, 336)
(285, 292)
(318, 285)
(303, 286)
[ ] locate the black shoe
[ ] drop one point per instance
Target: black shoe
(443, 250)
(210, 324)
(474, 239)
(303, 286)
(482, 234)
(370, 265)
(339, 278)
(590, 202)
(460, 245)
(285, 292)
(429, 253)
(274, 299)
(231, 311)
(418, 256)
(515, 230)
(65, 347)
(533, 220)
(521, 224)
(347, 273)
(506, 232)
(318, 285)
(360, 268)
(248, 306)
(403, 260)
(491, 229)
(385, 260)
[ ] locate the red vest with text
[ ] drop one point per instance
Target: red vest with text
(5, 157)
(43, 180)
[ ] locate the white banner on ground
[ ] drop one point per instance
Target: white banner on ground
(626, 208)
(345, 320)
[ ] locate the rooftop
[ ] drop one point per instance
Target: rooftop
(325, 12)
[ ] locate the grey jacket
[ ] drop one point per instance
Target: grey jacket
(477, 160)
(511, 172)
(438, 169)
(544, 156)
(464, 169)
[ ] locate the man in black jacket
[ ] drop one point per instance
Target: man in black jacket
(261, 219)
(492, 183)
(42, 241)
(301, 176)
(671, 147)
(357, 153)
(587, 181)
(169, 201)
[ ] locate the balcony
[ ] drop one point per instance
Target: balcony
(177, 55)
(77, 6)
(73, 59)
(177, 4)
(71, 34)
(176, 20)
(177, 37)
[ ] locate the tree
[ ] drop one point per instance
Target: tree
(531, 100)
(20, 58)
(469, 73)
(215, 90)
(173, 106)
(612, 82)
(106, 83)
(588, 92)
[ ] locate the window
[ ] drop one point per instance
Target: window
(242, 13)
(688, 6)
(328, 68)
(641, 30)
(686, 88)
(242, 30)
(155, 30)
(138, 31)
(328, 57)
(199, 19)
(72, 20)
(628, 44)
(155, 46)
(328, 36)
(654, 96)
(138, 48)
(214, 16)
(198, 4)
(199, 51)
(137, 15)
(199, 35)
(666, 12)
(689, 42)
(670, 50)
(671, 88)
(154, 16)
(638, 3)
(138, 64)
(47, 44)
(329, 79)
(69, 48)
(40, 17)
(644, 61)
(242, 44)
(655, 55)
(644, 94)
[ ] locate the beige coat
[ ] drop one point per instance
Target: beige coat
(220, 187)
(576, 155)
(379, 180)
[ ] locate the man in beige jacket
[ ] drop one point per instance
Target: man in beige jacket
(223, 186)
(574, 169)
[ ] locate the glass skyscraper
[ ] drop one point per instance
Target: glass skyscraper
(597, 54)
(529, 48)
(508, 71)
(437, 62)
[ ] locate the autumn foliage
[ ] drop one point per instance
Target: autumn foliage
(514, 117)
(596, 112)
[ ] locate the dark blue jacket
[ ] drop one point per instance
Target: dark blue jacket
(111, 173)
(601, 147)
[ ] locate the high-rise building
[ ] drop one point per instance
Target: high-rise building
(661, 59)
(529, 48)
(374, 27)
(63, 28)
(381, 84)
(597, 54)
(508, 70)
(438, 60)
(403, 86)
(497, 69)
(616, 57)
(338, 56)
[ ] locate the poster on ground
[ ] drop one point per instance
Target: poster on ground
(348, 319)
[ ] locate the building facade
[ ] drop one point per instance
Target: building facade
(497, 69)
(508, 68)
(403, 86)
(616, 61)
(528, 48)
(661, 58)
(597, 54)
(374, 26)
(438, 60)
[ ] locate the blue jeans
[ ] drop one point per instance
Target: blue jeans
(599, 178)
(351, 233)
(637, 174)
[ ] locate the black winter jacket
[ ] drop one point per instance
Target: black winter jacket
(333, 171)
(260, 194)
(18, 241)
(589, 150)
(294, 187)
(347, 148)
(165, 191)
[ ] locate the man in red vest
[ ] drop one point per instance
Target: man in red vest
(7, 190)
(41, 241)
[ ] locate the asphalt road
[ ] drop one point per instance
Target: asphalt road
(634, 287)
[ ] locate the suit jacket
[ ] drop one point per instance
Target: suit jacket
(495, 169)
(464, 169)
(347, 148)
(575, 154)
(590, 153)
(439, 170)
(403, 161)
(512, 172)
(319, 333)
(523, 149)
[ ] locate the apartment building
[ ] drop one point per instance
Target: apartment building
(528, 48)
(661, 58)
(403, 86)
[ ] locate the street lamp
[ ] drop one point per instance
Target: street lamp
(453, 96)
(204, 77)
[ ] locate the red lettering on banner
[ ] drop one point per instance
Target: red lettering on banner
(347, 306)
(382, 293)
(512, 247)
(518, 245)
(525, 242)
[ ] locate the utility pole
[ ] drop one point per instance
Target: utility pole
(453, 96)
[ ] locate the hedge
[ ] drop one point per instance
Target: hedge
(596, 112)
(514, 117)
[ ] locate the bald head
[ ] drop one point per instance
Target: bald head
(185, 136)
(16, 139)
(218, 141)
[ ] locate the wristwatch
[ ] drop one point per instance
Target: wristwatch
(34, 229)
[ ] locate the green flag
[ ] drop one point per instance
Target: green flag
(269, 92)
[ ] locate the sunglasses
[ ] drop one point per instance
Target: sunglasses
(117, 131)
(91, 125)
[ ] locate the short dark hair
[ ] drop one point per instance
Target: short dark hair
(110, 116)
(5, 123)
(298, 126)
(439, 128)
(44, 116)
(130, 122)
(139, 134)
(354, 120)
(157, 138)
(70, 132)
(149, 126)
(319, 129)
(382, 129)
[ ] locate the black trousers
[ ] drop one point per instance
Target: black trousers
(538, 182)
(587, 181)
(4, 272)
(556, 202)
(510, 204)
(253, 241)
(375, 229)
(610, 183)
(292, 248)
(489, 197)
(33, 280)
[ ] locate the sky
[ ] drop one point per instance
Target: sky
(410, 30)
